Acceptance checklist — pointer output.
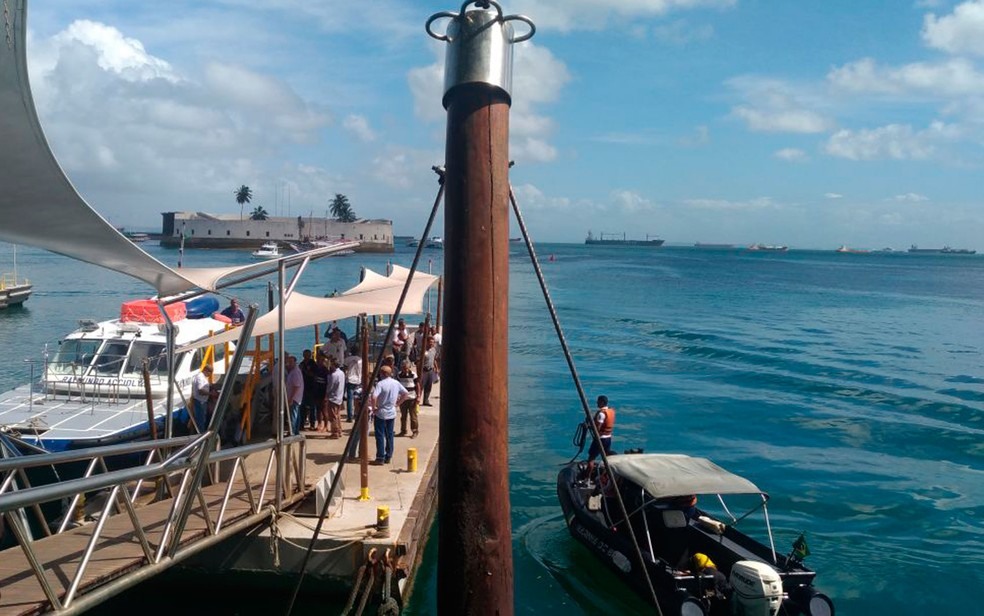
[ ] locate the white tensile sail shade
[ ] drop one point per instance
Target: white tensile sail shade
(40, 207)
(38, 204)
(376, 294)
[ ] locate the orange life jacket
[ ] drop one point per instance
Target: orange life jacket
(605, 429)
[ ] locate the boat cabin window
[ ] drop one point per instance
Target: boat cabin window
(153, 352)
(74, 356)
(111, 358)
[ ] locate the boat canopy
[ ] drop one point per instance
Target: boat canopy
(666, 475)
(376, 294)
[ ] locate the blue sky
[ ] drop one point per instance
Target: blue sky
(738, 121)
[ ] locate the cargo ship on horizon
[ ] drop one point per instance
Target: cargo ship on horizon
(613, 239)
(946, 250)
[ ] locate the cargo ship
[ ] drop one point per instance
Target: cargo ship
(613, 239)
(946, 250)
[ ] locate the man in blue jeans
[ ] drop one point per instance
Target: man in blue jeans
(387, 395)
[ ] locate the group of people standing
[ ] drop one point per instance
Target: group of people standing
(325, 382)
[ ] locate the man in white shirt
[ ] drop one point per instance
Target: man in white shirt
(295, 392)
(334, 397)
(387, 395)
(201, 388)
(335, 347)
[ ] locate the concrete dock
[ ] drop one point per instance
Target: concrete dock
(349, 532)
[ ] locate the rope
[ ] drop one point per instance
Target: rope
(580, 390)
(363, 406)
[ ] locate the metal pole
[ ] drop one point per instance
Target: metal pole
(475, 569)
(363, 426)
(440, 300)
(280, 388)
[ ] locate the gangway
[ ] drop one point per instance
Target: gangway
(70, 570)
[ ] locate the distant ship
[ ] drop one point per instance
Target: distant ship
(614, 240)
(769, 247)
(946, 250)
(853, 251)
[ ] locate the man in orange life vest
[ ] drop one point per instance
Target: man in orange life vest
(604, 420)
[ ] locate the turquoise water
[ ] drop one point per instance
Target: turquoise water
(849, 387)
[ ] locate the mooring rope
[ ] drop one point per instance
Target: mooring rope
(580, 390)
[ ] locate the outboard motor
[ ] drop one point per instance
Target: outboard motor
(757, 589)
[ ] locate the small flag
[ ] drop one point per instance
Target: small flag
(800, 549)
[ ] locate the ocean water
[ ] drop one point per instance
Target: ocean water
(848, 387)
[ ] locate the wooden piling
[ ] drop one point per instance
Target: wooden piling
(475, 574)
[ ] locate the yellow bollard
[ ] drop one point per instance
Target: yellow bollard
(382, 521)
(411, 459)
(364, 494)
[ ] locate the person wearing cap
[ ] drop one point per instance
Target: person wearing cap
(387, 395)
(233, 312)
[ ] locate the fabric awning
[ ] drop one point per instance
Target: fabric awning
(665, 475)
(376, 294)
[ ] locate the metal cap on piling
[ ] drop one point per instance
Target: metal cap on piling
(480, 46)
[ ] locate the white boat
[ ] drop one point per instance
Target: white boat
(14, 291)
(90, 390)
(269, 250)
(413, 243)
(435, 242)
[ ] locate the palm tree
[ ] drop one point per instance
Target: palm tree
(259, 213)
(243, 196)
(341, 209)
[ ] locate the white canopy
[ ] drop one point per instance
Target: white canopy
(376, 294)
(40, 207)
(664, 475)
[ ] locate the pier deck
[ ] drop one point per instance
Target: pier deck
(346, 537)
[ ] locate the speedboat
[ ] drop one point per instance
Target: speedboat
(413, 243)
(269, 250)
(91, 390)
(698, 561)
(435, 242)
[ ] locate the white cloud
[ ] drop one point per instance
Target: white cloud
(359, 126)
(124, 56)
(402, 168)
(959, 32)
(782, 121)
(760, 203)
(951, 78)
(131, 129)
(775, 106)
(599, 14)
(895, 141)
(910, 197)
(832, 195)
(630, 202)
(529, 196)
(791, 154)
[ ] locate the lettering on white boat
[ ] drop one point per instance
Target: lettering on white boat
(91, 380)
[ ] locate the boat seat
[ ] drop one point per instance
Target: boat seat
(674, 518)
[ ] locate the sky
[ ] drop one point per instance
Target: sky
(810, 124)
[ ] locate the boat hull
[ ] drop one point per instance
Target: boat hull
(612, 545)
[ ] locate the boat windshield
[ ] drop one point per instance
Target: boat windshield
(111, 358)
(153, 352)
(74, 356)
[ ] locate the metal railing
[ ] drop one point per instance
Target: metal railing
(172, 472)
